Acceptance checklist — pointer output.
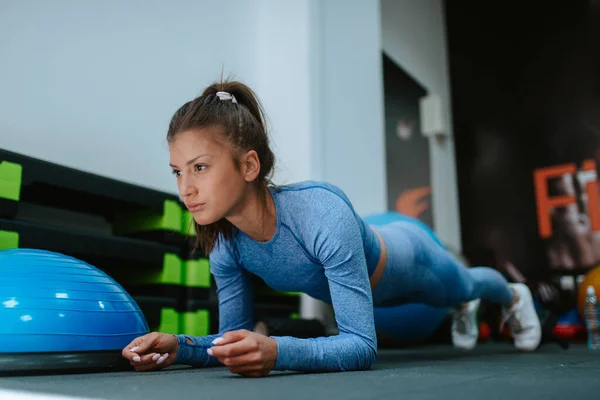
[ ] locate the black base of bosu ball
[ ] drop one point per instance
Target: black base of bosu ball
(62, 362)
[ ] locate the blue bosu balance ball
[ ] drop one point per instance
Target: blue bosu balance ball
(407, 322)
(53, 303)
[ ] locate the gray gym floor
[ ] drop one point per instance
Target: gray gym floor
(491, 371)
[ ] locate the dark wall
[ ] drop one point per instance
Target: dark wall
(525, 80)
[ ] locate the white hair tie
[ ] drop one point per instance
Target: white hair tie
(226, 96)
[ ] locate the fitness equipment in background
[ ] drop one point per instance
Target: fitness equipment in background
(42, 195)
(134, 210)
(592, 278)
(170, 315)
(59, 312)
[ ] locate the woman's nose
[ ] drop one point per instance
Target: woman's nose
(186, 187)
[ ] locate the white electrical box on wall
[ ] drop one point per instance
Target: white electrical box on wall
(432, 116)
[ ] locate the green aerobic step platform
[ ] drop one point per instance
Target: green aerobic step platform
(165, 315)
(145, 266)
(200, 318)
(10, 180)
(196, 278)
(176, 278)
(187, 226)
(94, 248)
(25, 179)
(165, 225)
(189, 230)
(11, 175)
(9, 240)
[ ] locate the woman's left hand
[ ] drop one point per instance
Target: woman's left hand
(246, 353)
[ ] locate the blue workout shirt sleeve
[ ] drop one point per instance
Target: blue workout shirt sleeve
(332, 234)
(236, 311)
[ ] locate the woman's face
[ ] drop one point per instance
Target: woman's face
(210, 183)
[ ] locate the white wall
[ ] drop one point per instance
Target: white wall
(352, 102)
(284, 79)
(320, 77)
(413, 35)
(93, 85)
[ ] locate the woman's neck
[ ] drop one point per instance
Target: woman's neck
(255, 218)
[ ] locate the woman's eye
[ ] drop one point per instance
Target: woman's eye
(176, 173)
(200, 168)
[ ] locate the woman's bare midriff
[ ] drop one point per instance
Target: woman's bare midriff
(380, 268)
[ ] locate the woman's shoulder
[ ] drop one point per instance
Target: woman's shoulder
(317, 191)
(313, 204)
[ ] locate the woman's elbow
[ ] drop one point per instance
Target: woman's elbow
(368, 356)
(371, 356)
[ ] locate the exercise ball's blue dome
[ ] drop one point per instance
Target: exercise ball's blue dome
(50, 302)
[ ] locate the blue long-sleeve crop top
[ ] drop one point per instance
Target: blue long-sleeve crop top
(321, 247)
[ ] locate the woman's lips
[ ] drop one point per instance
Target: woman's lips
(195, 207)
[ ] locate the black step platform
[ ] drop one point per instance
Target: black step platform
(141, 267)
(60, 186)
(133, 210)
(88, 246)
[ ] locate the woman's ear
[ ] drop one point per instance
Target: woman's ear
(250, 166)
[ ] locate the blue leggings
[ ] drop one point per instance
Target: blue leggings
(420, 270)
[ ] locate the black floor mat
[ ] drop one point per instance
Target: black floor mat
(491, 371)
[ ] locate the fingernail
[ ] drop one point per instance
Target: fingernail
(155, 357)
(217, 340)
(163, 358)
(209, 351)
(136, 348)
(136, 358)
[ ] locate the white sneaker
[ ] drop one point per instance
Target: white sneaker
(465, 331)
(523, 320)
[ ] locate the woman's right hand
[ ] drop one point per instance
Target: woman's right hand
(152, 351)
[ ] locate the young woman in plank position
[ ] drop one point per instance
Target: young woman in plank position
(303, 237)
